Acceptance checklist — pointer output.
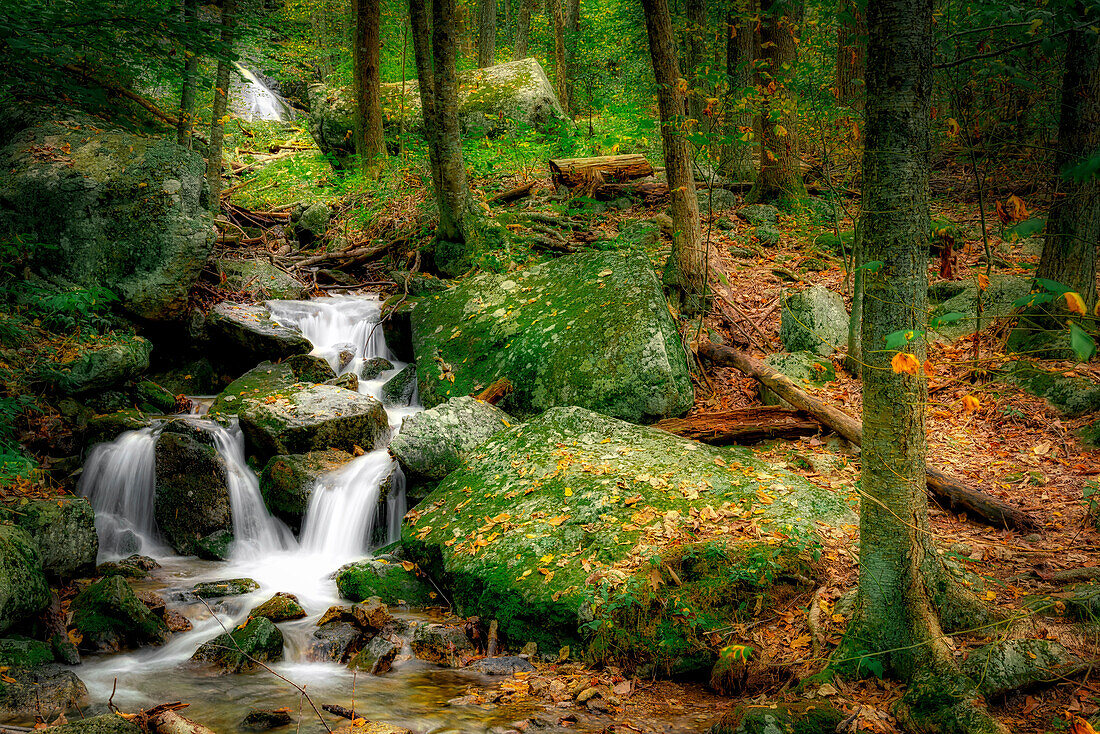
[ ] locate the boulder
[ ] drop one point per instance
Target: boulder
(131, 567)
(591, 330)
(811, 717)
(109, 616)
(376, 657)
(506, 665)
(110, 362)
(303, 418)
(104, 724)
(759, 215)
(109, 426)
(268, 378)
(997, 302)
(23, 589)
(265, 719)
(374, 367)
(260, 280)
(369, 617)
(118, 210)
(1015, 664)
(491, 100)
(443, 644)
(400, 390)
(767, 235)
(197, 377)
(806, 369)
(813, 320)
(64, 531)
(259, 641)
(249, 333)
(390, 582)
(334, 641)
(191, 496)
(33, 685)
(287, 481)
(573, 479)
(223, 588)
(433, 443)
(1071, 396)
(279, 608)
(313, 222)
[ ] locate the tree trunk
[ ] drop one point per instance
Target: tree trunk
(486, 33)
(186, 122)
(221, 104)
(851, 53)
(737, 160)
(695, 49)
(906, 597)
(561, 72)
(780, 177)
(572, 39)
(523, 30)
(369, 140)
(688, 262)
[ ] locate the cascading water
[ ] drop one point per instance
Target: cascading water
(118, 480)
(253, 100)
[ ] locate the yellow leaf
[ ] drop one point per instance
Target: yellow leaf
(953, 127)
(1075, 303)
(555, 521)
(970, 403)
(547, 558)
(568, 492)
(983, 281)
(780, 131)
(906, 363)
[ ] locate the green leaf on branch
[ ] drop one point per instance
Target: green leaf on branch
(898, 339)
(947, 318)
(1026, 228)
(1084, 346)
(871, 267)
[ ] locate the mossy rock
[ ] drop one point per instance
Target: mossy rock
(106, 428)
(442, 644)
(397, 326)
(191, 496)
(804, 368)
(287, 481)
(1017, 664)
(432, 444)
(197, 377)
(260, 280)
(279, 608)
(400, 390)
(23, 589)
(781, 718)
(64, 531)
(374, 367)
(102, 366)
(997, 302)
(556, 488)
(759, 215)
(1090, 434)
(1070, 396)
(110, 617)
(259, 641)
(223, 588)
(390, 582)
(23, 652)
(247, 333)
(105, 724)
(268, 378)
(591, 330)
(375, 657)
(418, 284)
(44, 690)
(813, 320)
(767, 235)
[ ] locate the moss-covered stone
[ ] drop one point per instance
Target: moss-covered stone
(268, 378)
(108, 427)
(781, 718)
(813, 320)
(23, 589)
(64, 531)
(1071, 396)
(197, 377)
(223, 588)
(1015, 664)
(156, 397)
(400, 389)
(997, 302)
(240, 650)
(374, 367)
(279, 608)
(110, 617)
(287, 481)
(390, 582)
(805, 368)
(397, 326)
(45, 690)
(759, 215)
(260, 280)
(105, 724)
(191, 498)
(553, 494)
(23, 652)
(443, 644)
(767, 235)
(375, 657)
(432, 444)
(591, 330)
(102, 366)
(250, 334)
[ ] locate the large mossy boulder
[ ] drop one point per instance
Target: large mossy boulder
(260, 280)
(1071, 396)
(491, 100)
(32, 685)
(523, 529)
(997, 302)
(813, 320)
(23, 589)
(1010, 665)
(288, 479)
(259, 641)
(806, 369)
(268, 378)
(591, 330)
(249, 333)
(109, 616)
(105, 364)
(280, 608)
(432, 444)
(64, 531)
(114, 210)
(109, 426)
(191, 496)
(390, 582)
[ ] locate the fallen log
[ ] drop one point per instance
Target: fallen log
(743, 425)
(169, 722)
(335, 708)
(591, 172)
(956, 495)
(506, 197)
(352, 253)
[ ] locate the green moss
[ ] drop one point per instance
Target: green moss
(259, 640)
(1072, 396)
(24, 653)
(109, 608)
(780, 718)
(388, 581)
(23, 590)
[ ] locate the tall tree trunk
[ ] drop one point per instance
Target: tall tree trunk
(556, 14)
(851, 53)
(688, 262)
(486, 33)
(523, 29)
(370, 143)
(737, 160)
(221, 104)
(780, 177)
(572, 39)
(906, 598)
(190, 73)
(695, 50)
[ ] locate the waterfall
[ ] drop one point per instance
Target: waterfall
(337, 324)
(254, 100)
(344, 505)
(118, 480)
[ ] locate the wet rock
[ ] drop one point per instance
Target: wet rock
(260, 280)
(259, 641)
(401, 388)
(369, 616)
(110, 617)
(372, 727)
(64, 531)
(131, 567)
(108, 427)
(433, 443)
(418, 284)
(443, 644)
(397, 326)
(376, 657)
(759, 215)
(1015, 664)
(591, 330)
(226, 587)
(191, 498)
(388, 581)
(280, 608)
(506, 665)
(252, 335)
(804, 368)
(105, 724)
(374, 367)
(176, 621)
(334, 641)
(348, 381)
(267, 379)
(38, 689)
(1070, 396)
(813, 320)
(287, 481)
(265, 719)
(104, 366)
(23, 589)
(215, 546)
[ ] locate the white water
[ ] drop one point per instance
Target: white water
(253, 100)
(118, 480)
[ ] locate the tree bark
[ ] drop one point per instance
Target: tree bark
(369, 141)
(737, 159)
(186, 122)
(572, 39)
(695, 49)
(221, 104)
(486, 33)
(574, 172)
(523, 29)
(780, 177)
(561, 72)
(688, 262)
(851, 53)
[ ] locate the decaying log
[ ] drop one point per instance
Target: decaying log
(347, 256)
(334, 708)
(956, 495)
(496, 392)
(518, 192)
(169, 722)
(591, 172)
(744, 425)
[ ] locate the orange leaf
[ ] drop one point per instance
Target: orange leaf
(983, 281)
(952, 127)
(903, 362)
(1075, 303)
(970, 403)
(929, 368)
(1016, 208)
(1080, 726)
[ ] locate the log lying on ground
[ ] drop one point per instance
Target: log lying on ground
(518, 192)
(744, 425)
(956, 495)
(169, 722)
(591, 172)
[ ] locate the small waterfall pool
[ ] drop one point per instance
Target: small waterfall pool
(344, 508)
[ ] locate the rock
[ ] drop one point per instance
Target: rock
(240, 650)
(591, 330)
(64, 531)
(639, 235)
(372, 727)
(23, 590)
(1090, 434)
(804, 368)
(313, 223)
(813, 320)
(134, 566)
(390, 582)
(118, 358)
(263, 719)
(268, 378)
(191, 498)
(443, 644)
(374, 367)
(1070, 396)
(223, 588)
(767, 235)
(110, 617)
(154, 398)
(1014, 664)
(376, 657)
(996, 302)
(104, 724)
(287, 481)
(369, 617)
(106, 428)
(561, 481)
(759, 215)
(810, 717)
(433, 443)
(335, 641)
(418, 284)
(506, 665)
(260, 280)
(32, 685)
(400, 389)
(491, 101)
(716, 199)
(120, 211)
(304, 418)
(249, 334)
(197, 377)
(397, 326)
(348, 381)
